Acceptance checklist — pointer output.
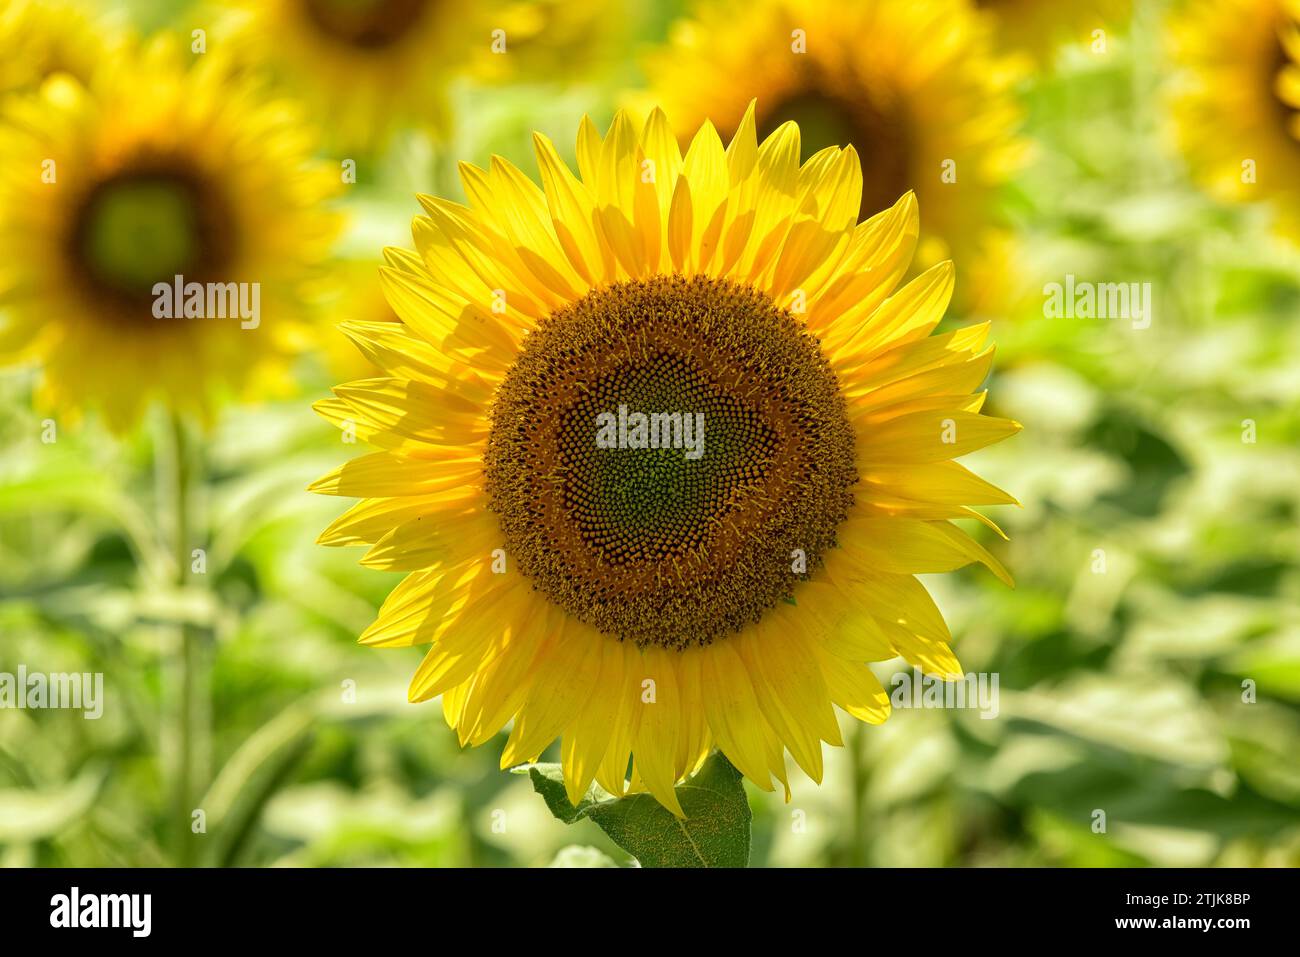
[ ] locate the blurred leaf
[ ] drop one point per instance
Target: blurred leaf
(578, 855)
(33, 815)
(1274, 663)
(249, 779)
(1153, 462)
(1263, 740)
(383, 823)
(1151, 716)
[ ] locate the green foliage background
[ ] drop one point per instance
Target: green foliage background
(1120, 691)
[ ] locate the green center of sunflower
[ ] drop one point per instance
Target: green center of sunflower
(146, 226)
(878, 130)
(366, 24)
(668, 456)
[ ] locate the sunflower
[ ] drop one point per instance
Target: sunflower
(724, 578)
(1235, 113)
(1039, 27)
(160, 170)
(549, 40)
(40, 39)
(915, 88)
(364, 66)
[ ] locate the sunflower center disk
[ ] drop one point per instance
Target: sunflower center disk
(366, 24)
(146, 226)
(667, 457)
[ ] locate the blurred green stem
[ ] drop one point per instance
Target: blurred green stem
(186, 652)
(858, 800)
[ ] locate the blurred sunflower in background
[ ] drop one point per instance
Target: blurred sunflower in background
(1039, 27)
(1235, 112)
(549, 40)
(40, 39)
(650, 605)
(917, 88)
(158, 169)
(366, 68)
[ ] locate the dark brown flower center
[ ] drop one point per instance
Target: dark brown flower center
(667, 457)
(150, 222)
(365, 24)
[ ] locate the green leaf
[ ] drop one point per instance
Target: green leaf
(715, 832)
(35, 815)
(250, 778)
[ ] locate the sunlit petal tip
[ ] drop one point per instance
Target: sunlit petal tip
(655, 119)
(465, 167)
(707, 131)
(748, 120)
(392, 255)
(788, 128)
(622, 119)
(321, 407)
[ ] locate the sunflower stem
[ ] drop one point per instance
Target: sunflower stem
(858, 799)
(186, 653)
